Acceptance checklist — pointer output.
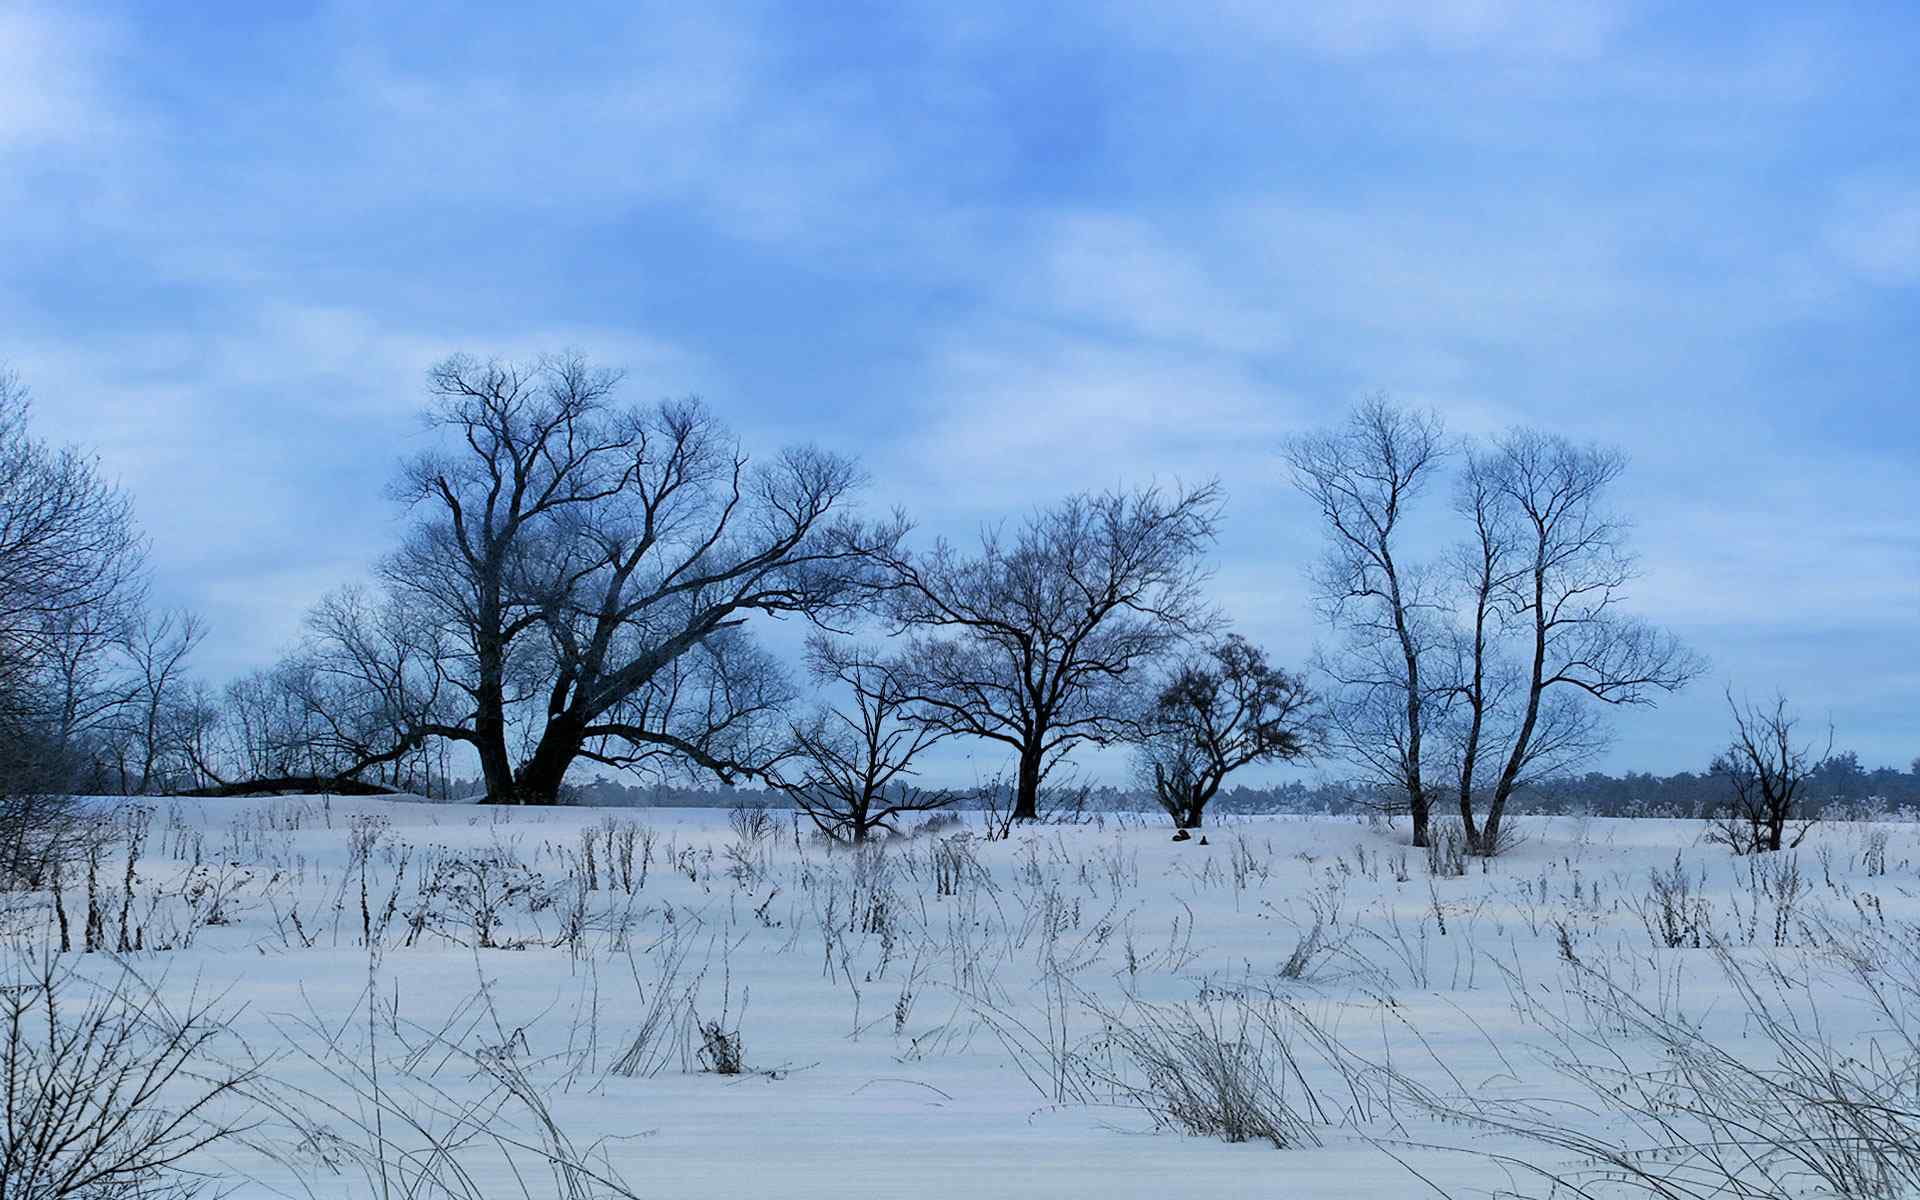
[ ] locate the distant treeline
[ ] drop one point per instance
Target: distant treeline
(1839, 781)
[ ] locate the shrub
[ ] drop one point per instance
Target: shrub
(1219, 1069)
(105, 1096)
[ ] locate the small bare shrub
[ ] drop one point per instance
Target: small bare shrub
(105, 1092)
(751, 823)
(721, 1051)
(1221, 1070)
(1312, 946)
(479, 891)
(1447, 849)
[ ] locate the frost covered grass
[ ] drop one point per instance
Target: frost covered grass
(433, 1000)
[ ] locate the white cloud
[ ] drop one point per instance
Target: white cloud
(1010, 406)
(1119, 273)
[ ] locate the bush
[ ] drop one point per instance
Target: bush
(105, 1097)
(1447, 848)
(1219, 1069)
(478, 891)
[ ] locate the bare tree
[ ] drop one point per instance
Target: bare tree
(1363, 477)
(372, 686)
(69, 551)
(1489, 664)
(197, 733)
(1562, 595)
(268, 729)
(70, 568)
(586, 570)
(1222, 710)
(1030, 642)
(1482, 681)
(83, 681)
(1766, 771)
(143, 734)
(852, 763)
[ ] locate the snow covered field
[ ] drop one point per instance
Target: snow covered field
(951, 1016)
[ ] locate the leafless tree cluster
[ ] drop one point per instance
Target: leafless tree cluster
(573, 588)
(580, 578)
(1037, 639)
(91, 681)
(1483, 669)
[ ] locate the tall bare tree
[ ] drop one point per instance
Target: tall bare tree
(587, 569)
(1487, 666)
(71, 566)
(144, 733)
(848, 766)
(1364, 477)
(1766, 769)
(1030, 641)
(1561, 576)
(1482, 680)
(1220, 711)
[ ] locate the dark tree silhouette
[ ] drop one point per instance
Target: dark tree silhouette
(70, 577)
(1030, 642)
(1766, 772)
(581, 573)
(1560, 574)
(848, 766)
(1364, 477)
(1220, 711)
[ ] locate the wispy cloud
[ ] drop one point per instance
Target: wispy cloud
(1004, 252)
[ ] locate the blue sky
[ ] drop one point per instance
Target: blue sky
(1005, 252)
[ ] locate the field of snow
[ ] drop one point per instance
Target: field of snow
(723, 1011)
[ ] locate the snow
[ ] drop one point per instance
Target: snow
(845, 1099)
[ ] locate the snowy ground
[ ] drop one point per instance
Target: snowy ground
(908, 1037)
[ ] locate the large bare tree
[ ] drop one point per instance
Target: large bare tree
(1364, 477)
(1030, 641)
(69, 550)
(1550, 560)
(583, 571)
(1221, 710)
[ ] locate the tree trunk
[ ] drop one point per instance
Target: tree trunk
(1026, 797)
(1523, 740)
(1417, 807)
(539, 779)
(496, 768)
(1198, 794)
(1416, 787)
(490, 714)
